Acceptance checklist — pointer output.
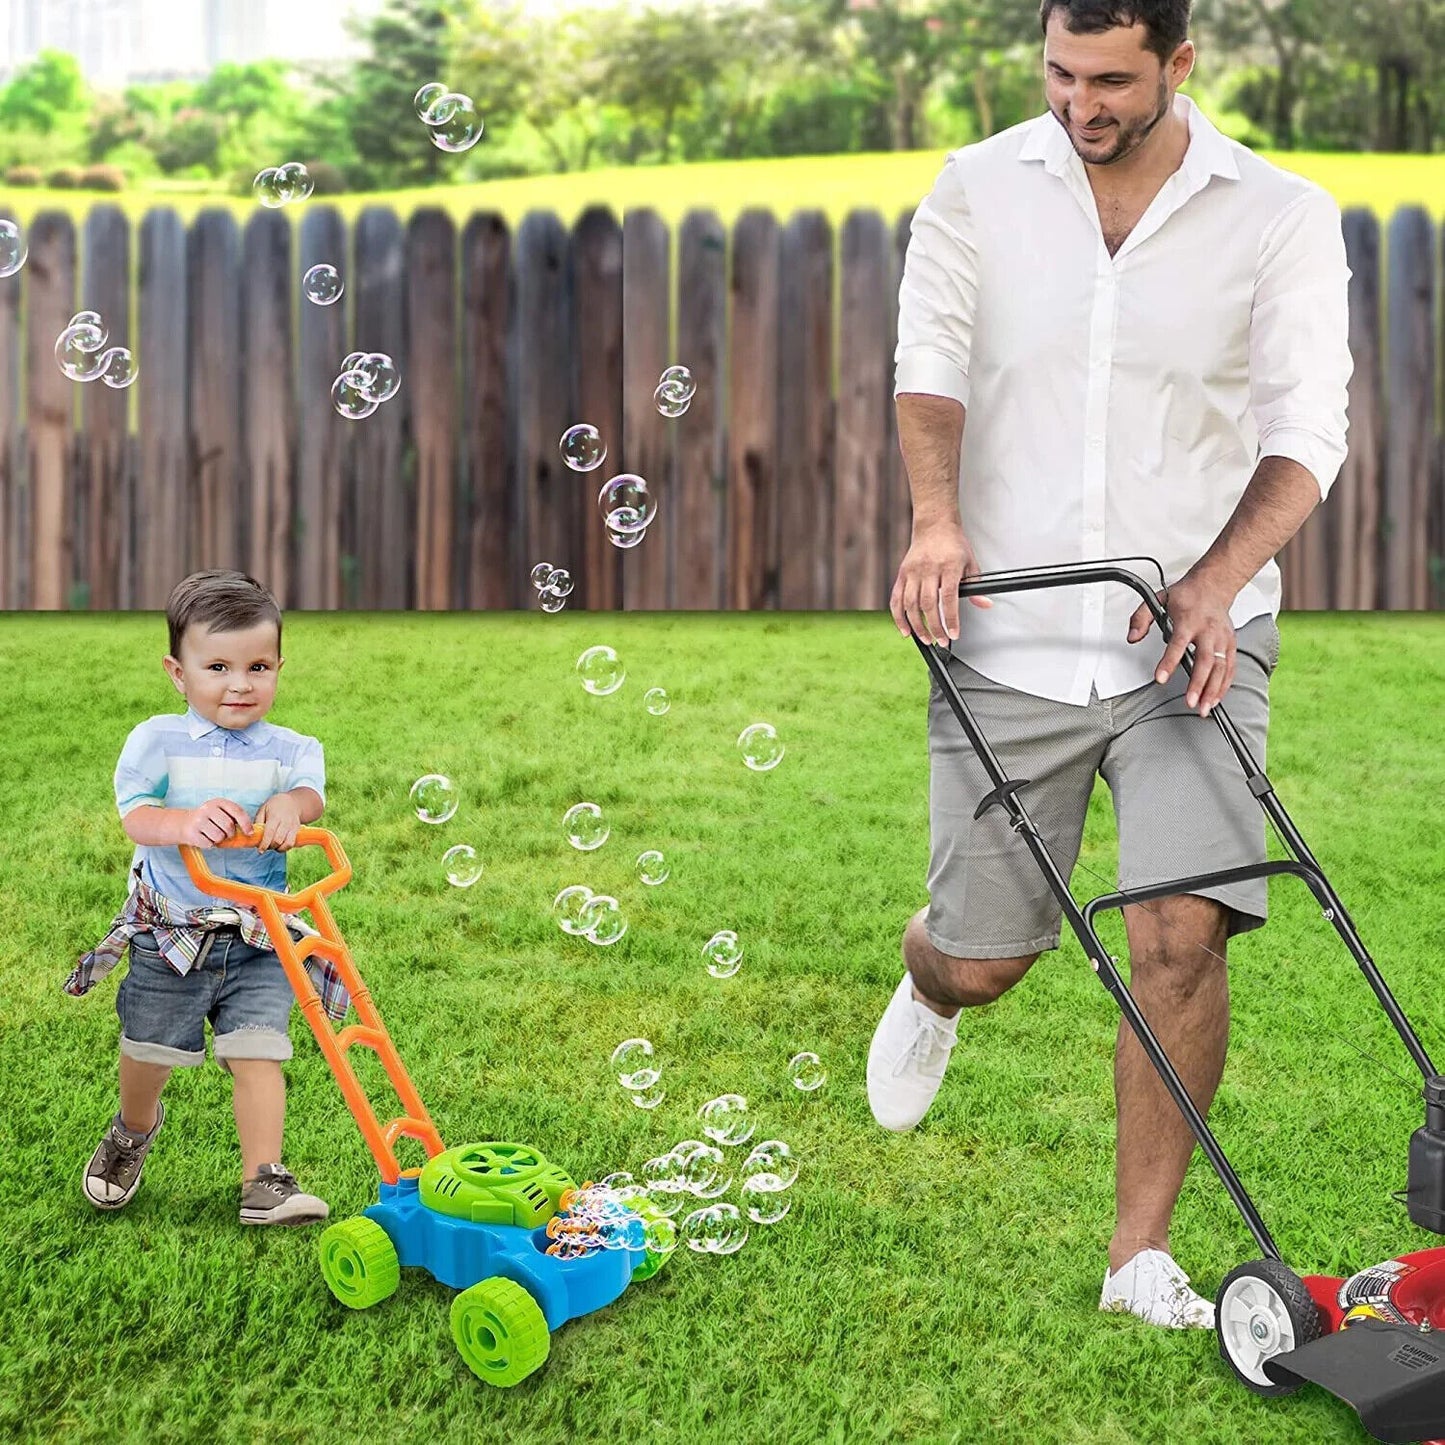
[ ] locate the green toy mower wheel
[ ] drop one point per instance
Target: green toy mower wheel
(652, 1260)
(500, 1331)
(359, 1263)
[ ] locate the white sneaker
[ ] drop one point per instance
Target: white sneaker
(1153, 1287)
(907, 1058)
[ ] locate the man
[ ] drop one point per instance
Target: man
(1146, 327)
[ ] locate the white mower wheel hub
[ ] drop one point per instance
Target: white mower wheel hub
(1255, 1326)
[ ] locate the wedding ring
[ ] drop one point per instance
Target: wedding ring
(1221, 654)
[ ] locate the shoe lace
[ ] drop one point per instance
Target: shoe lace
(118, 1152)
(926, 1038)
(279, 1181)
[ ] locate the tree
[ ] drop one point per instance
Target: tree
(43, 94)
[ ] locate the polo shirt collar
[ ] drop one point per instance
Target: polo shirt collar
(1209, 152)
(198, 727)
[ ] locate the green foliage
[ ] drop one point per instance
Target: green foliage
(43, 94)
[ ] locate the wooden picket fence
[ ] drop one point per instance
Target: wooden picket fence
(781, 487)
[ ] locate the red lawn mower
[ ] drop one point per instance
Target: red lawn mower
(1377, 1339)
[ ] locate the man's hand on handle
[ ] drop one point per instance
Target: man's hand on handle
(1198, 609)
(925, 594)
(214, 822)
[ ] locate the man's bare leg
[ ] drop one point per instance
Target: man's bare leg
(1183, 993)
(946, 984)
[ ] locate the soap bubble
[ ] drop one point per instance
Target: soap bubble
(425, 98)
(603, 920)
(601, 671)
(552, 603)
(78, 354)
(118, 368)
(648, 1098)
(724, 953)
(771, 1166)
(567, 907)
(765, 1206)
(725, 1119)
(352, 357)
(652, 868)
(625, 540)
(659, 1236)
(379, 375)
(656, 701)
(660, 1175)
(678, 380)
(559, 583)
(90, 330)
(293, 181)
(585, 826)
(702, 1170)
(13, 249)
(668, 402)
(540, 573)
(349, 396)
(462, 865)
(626, 503)
(454, 122)
(434, 796)
(583, 448)
(715, 1229)
(268, 190)
(807, 1072)
(634, 1071)
(322, 284)
(758, 743)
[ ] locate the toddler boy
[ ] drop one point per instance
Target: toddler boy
(199, 777)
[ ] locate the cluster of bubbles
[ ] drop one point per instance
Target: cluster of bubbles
(281, 185)
(367, 379)
(81, 353)
(609, 1215)
(628, 509)
(694, 1167)
(322, 284)
(597, 917)
(675, 391)
(553, 585)
(582, 447)
(435, 798)
(450, 116)
(13, 249)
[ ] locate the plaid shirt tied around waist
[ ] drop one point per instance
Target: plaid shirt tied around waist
(183, 936)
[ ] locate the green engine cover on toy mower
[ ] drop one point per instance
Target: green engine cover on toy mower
(494, 1183)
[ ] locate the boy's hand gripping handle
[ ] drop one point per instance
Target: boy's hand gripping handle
(249, 895)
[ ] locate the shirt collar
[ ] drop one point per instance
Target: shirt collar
(198, 727)
(1209, 152)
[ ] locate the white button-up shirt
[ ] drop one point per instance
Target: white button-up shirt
(1117, 406)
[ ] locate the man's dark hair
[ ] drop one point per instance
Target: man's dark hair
(1167, 21)
(222, 601)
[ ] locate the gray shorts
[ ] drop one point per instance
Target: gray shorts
(1182, 805)
(241, 991)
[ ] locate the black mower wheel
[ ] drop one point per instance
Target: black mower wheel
(1262, 1310)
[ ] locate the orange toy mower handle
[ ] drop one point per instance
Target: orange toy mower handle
(272, 908)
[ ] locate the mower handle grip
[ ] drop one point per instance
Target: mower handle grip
(1071, 574)
(249, 895)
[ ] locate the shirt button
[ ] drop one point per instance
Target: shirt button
(215, 749)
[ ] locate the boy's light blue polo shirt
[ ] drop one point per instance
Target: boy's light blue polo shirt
(179, 760)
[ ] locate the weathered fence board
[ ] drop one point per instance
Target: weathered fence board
(490, 520)
(696, 496)
(104, 530)
(753, 413)
(647, 435)
(781, 485)
(322, 437)
(598, 248)
(50, 402)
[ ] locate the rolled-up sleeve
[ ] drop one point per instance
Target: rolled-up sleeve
(938, 295)
(1299, 338)
(142, 774)
(308, 768)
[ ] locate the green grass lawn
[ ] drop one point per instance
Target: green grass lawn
(937, 1286)
(889, 182)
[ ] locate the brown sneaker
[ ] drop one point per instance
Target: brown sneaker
(274, 1197)
(113, 1174)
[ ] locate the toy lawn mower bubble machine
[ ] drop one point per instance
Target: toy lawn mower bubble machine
(1377, 1339)
(490, 1220)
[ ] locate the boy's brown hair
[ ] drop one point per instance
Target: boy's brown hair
(221, 600)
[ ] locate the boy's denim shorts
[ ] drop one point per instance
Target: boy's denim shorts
(243, 991)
